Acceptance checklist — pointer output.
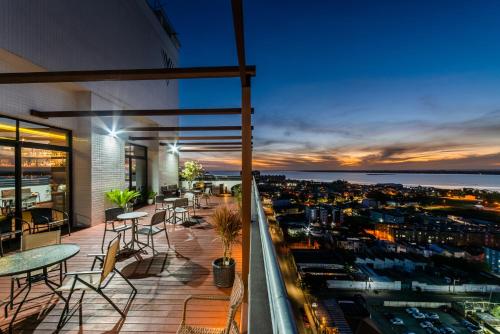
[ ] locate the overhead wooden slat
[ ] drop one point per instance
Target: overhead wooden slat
(208, 143)
(140, 112)
(181, 128)
(125, 74)
(186, 138)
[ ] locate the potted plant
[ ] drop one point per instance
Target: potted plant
(122, 198)
(192, 170)
(151, 197)
(227, 225)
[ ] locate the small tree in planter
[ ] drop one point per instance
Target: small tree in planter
(192, 170)
(151, 197)
(227, 225)
(122, 198)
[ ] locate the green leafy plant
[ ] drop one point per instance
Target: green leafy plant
(122, 197)
(151, 194)
(227, 225)
(192, 170)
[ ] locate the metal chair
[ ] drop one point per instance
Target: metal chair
(180, 208)
(31, 241)
(48, 218)
(113, 224)
(159, 202)
(152, 229)
(206, 195)
(231, 327)
(93, 280)
(191, 197)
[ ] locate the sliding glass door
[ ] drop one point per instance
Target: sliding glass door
(35, 170)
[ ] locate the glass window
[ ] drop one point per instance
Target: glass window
(42, 134)
(7, 128)
(7, 188)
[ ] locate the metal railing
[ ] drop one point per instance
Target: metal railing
(282, 317)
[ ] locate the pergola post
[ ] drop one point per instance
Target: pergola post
(246, 177)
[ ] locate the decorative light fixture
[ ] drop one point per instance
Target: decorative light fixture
(173, 148)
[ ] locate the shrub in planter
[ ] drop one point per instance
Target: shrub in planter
(227, 225)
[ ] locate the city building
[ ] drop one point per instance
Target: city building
(492, 258)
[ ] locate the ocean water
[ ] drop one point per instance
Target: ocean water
(445, 181)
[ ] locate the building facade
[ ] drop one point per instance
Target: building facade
(70, 163)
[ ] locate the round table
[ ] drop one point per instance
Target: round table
(34, 260)
(134, 218)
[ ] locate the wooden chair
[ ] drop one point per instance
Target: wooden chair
(113, 224)
(93, 280)
(152, 229)
(231, 326)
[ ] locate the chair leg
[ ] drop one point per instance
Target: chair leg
(103, 238)
(152, 244)
(69, 229)
(80, 309)
(166, 234)
(111, 302)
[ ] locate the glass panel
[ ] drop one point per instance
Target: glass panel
(45, 180)
(42, 134)
(7, 128)
(139, 177)
(7, 188)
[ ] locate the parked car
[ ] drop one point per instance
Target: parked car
(397, 321)
(447, 330)
(425, 324)
(432, 315)
(411, 310)
(418, 315)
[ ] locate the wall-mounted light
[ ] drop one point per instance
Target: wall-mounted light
(173, 148)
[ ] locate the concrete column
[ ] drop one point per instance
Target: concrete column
(168, 169)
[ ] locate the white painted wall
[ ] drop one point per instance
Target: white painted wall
(82, 35)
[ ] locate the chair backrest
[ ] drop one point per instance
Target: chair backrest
(26, 191)
(234, 302)
(179, 203)
(41, 215)
(109, 262)
(159, 199)
(111, 214)
(8, 193)
(30, 241)
(208, 190)
(158, 217)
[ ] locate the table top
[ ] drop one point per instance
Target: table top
(36, 258)
(171, 199)
(132, 215)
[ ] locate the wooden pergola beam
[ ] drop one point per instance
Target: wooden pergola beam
(187, 138)
(181, 128)
(208, 144)
(125, 74)
(211, 150)
(140, 112)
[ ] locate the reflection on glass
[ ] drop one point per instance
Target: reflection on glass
(7, 128)
(7, 188)
(44, 179)
(42, 134)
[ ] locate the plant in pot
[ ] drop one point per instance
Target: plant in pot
(192, 170)
(227, 225)
(122, 198)
(151, 197)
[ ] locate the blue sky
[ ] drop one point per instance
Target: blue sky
(353, 84)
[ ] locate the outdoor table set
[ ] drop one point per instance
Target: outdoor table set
(33, 263)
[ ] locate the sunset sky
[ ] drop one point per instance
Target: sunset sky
(352, 84)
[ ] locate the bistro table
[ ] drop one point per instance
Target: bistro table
(134, 218)
(28, 261)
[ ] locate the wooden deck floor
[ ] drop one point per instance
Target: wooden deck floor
(163, 282)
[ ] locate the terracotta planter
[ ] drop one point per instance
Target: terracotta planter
(223, 274)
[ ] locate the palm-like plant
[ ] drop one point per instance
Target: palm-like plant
(227, 225)
(122, 197)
